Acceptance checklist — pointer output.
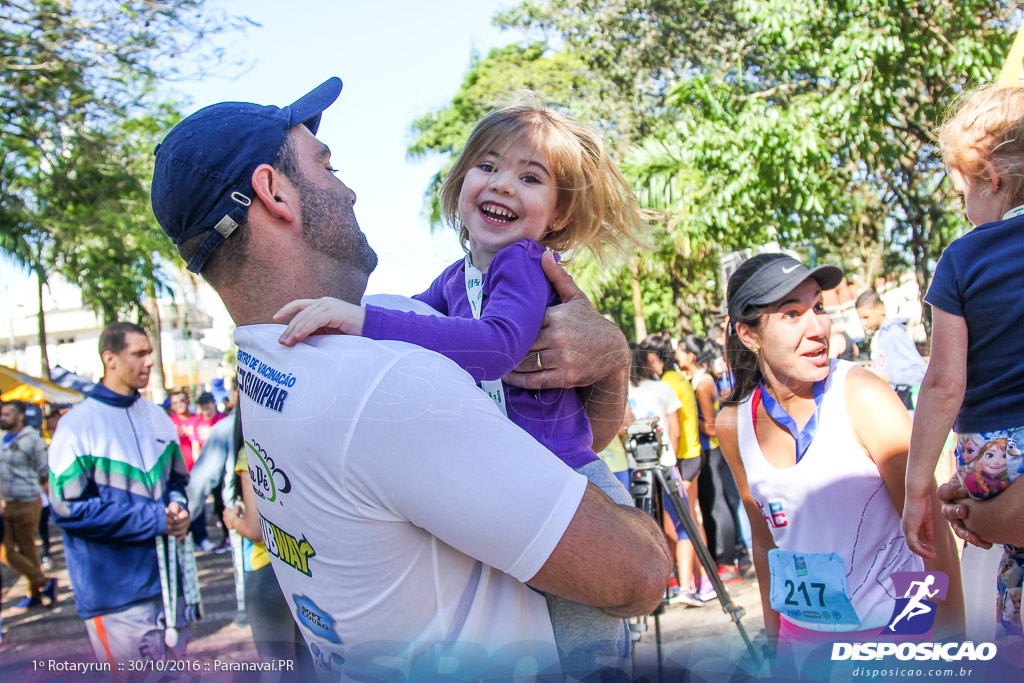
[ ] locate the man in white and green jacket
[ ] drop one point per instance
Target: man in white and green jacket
(117, 482)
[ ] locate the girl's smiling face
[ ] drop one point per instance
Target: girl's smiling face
(510, 194)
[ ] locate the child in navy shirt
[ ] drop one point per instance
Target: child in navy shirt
(976, 371)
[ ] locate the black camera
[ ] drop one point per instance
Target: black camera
(644, 443)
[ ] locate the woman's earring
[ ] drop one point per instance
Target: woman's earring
(755, 349)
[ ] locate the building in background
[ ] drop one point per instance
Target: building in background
(195, 332)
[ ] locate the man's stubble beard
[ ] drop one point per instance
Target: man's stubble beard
(329, 227)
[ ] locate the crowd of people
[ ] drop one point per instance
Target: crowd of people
(113, 459)
(391, 509)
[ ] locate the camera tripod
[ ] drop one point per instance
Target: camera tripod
(648, 480)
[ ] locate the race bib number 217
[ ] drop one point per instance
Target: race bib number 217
(811, 587)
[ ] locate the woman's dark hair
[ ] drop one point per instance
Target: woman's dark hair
(661, 344)
(639, 370)
(702, 349)
(742, 361)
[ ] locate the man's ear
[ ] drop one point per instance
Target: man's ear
(108, 358)
(275, 192)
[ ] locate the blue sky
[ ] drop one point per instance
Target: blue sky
(398, 60)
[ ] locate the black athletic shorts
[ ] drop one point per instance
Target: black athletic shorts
(689, 468)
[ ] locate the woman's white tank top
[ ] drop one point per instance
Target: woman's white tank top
(833, 500)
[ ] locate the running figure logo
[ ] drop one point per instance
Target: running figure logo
(914, 613)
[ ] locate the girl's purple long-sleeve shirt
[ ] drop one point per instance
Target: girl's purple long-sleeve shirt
(515, 294)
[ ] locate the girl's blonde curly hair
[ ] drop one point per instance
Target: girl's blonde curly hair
(983, 137)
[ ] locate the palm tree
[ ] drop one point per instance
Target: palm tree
(27, 251)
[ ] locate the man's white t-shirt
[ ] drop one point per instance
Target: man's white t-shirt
(401, 510)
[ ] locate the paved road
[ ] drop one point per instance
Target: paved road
(704, 637)
(702, 643)
(32, 639)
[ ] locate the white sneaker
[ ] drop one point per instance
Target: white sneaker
(707, 592)
(207, 545)
(685, 598)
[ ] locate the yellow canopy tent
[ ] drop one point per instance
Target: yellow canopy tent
(17, 386)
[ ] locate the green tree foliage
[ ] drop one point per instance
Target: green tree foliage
(878, 76)
(66, 61)
(101, 230)
(748, 121)
(78, 83)
(634, 51)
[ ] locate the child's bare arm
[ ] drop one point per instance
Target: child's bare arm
(942, 393)
(327, 313)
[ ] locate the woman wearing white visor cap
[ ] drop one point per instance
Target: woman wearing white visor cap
(819, 451)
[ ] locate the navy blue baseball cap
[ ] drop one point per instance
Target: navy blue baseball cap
(202, 182)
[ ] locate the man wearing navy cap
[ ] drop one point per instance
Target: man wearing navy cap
(403, 513)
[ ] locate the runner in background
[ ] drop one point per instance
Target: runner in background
(188, 425)
(695, 356)
(23, 475)
(661, 360)
(206, 418)
(819, 449)
(894, 355)
(118, 482)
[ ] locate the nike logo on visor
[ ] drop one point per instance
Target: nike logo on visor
(789, 270)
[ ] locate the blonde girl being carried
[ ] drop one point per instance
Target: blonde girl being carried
(528, 180)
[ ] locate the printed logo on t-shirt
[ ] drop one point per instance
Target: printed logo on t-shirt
(322, 661)
(263, 393)
(774, 515)
(319, 622)
(263, 383)
(294, 552)
(268, 479)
